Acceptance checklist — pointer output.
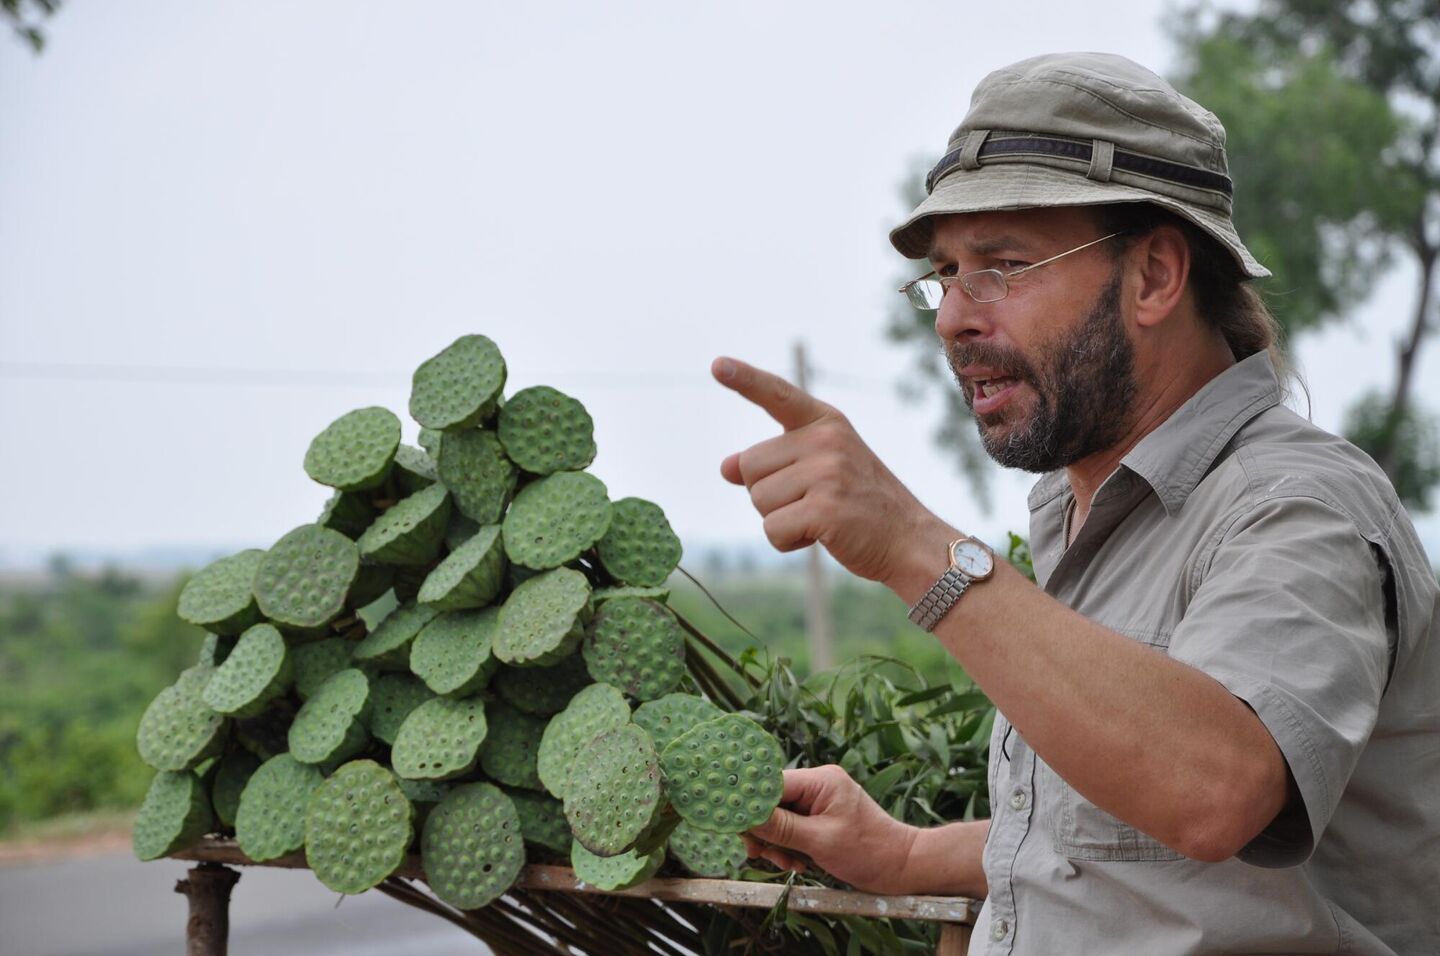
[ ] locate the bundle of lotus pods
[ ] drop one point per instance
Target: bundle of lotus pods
(467, 653)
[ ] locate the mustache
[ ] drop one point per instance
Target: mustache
(1007, 361)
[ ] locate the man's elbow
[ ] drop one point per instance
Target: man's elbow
(1234, 816)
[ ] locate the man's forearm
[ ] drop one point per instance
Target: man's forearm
(949, 861)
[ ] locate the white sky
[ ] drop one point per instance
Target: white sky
(615, 194)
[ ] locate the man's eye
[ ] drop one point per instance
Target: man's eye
(1010, 264)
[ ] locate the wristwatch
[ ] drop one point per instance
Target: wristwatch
(970, 561)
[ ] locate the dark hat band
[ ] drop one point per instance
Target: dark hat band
(1030, 146)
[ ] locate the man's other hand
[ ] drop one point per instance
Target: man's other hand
(826, 816)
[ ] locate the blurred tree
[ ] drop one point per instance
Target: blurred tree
(1333, 114)
(25, 19)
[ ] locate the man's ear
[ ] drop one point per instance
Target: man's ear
(1163, 259)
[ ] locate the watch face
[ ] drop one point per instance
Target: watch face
(973, 558)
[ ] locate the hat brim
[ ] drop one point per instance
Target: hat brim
(1031, 186)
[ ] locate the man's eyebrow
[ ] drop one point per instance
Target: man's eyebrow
(984, 246)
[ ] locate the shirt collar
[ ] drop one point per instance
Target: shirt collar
(1179, 452)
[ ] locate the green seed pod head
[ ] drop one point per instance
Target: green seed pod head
(178, 731)
(221, 595)
(542, 690)
(329, 726)
(424, 791)
(591, 712)
(304, 579)
(542, 820)
(358, 827)
(234, 771)
(672, 715)
(452, 654)
(257, 671)
(388, 646)
(461, 529)
(354, 452)
(470, 576)
(724, 775)
(392, 698)
(474, 467)
(372, 582)
(457, 388)
(512, 746)
(472, 847)
(411, 532)
(316, 661)
(414, 469)
(270, 821)
(349, 513)
(215, 649)
(636, 645)
(430, 441)
(543, 620)
(545, 431)
(703, 853)
(602, 595)
(639, 548)
(175, 814)
(614, 790)
(440, 740)
(614, 872)
(269, 733)
(554, 519)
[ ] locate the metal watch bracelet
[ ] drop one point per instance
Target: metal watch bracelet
(941, 597)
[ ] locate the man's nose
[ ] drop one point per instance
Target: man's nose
(961, 317)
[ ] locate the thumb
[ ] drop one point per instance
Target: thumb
(789, 829)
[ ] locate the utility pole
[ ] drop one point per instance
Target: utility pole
(819, 624)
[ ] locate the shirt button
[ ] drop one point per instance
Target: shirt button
(1018, 800)
(999, 929)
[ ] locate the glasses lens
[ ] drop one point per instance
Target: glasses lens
(987, 285)
(926, 294)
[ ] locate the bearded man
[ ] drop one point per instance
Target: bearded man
(1218, 722)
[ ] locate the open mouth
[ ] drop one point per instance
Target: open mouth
(990, 387)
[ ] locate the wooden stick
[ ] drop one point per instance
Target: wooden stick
(207, 888)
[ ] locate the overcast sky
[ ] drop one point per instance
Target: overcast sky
(223, 225)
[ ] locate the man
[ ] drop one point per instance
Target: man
(1219, 715)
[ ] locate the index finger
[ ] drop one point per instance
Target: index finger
(787, 404)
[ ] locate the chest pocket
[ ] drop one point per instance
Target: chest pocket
(1082, 831)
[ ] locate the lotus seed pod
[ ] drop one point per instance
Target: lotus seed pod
(672, 715)
(602, 595)
(474, 467)
(542, 690)
(512, 745)
(614, 872)
(543, 620)
(430, 441)
(556, 519)
(452, 654)
(440, 740)
(408, 581)
(304, 579)
(542, 820)
(518, 574)
(221, 596)
(233, 772)
(178, 731)
(347, 512)
(545, 431)
(414, 470)
(472, 848)
(215, 649)
(458, 387)
(461, 529)
(175, 814)
(470, 576)
(270, 819)
(388, 646)
(411, 532)
(358, 827)
(315, 662)
(377, 610)
(637, 646)
(268, 734)
(703, 853)
(591, 712)
(613, 791)
(639, 548)
(372, 582)
(330, 725)
(724, 775)
(255, 673)
(392, 698)
(354, 452)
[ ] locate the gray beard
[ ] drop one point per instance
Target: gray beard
(1084, 383)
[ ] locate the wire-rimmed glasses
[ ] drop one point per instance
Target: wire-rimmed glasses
(983, 285)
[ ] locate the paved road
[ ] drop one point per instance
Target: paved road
(113, 905)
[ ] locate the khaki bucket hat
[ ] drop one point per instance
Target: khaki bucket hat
(1081, 129)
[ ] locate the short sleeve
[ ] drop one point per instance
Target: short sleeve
(1289, 615)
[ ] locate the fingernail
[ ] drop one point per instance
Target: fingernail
(725, 370)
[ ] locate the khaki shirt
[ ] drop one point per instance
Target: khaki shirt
(1244, 541)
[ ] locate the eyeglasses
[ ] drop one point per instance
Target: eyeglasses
(986, 285)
